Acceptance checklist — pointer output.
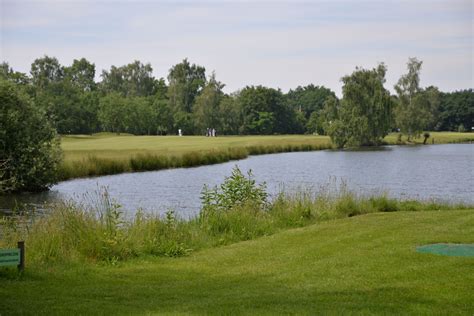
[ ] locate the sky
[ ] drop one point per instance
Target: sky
(279, 44)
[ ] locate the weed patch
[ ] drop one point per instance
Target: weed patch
(237, 210)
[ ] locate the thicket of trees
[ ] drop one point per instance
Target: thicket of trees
(129, 99)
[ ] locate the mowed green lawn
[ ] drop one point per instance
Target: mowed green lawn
(361, 265)
(125, 146)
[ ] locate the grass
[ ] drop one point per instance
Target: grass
(358, 265)
(103, 154)
(435, 138)
(73, 233)
(110, 146)
(301, 253)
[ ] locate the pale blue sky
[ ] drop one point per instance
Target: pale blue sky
(274, 43)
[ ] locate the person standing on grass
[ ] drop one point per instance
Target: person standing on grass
(179, 132)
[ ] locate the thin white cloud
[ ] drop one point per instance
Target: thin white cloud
(278, 44)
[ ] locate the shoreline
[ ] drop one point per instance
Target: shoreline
(93, 165)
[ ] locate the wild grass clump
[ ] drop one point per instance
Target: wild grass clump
(239, 209)
(466, 140)
(270, 149)
(161, 236)
(70, 232)
(94, 166)
(102, 234)
(200, 158)
(149, 162)
(244, 222)
(384, 204)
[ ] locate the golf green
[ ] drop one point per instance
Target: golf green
(456, 250)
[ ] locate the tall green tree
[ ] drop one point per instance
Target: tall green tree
(206, 107)
(185, 83)
(230, 115)
(63, 101)
(161, 90)
(265, 111)
(141, 118)
(319, 121)
(164, 117)
(432, 97)
(183, 121)
(113, 113)
(164, 113)
(29, 148)
(308, 101)
(309, 98)
(134, 79)
(7, 73)
(456, 111)
(365, 111)
(48, 88)
(416, 107)
(46, 71)
(72, 110)
(87, 120)
(67, 94)
(81, 74)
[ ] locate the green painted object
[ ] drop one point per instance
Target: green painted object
(9, 257)
(458, 250)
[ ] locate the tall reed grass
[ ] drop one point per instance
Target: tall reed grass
(74, 233)
(94, 166)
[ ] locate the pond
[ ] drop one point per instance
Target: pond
(440, 172)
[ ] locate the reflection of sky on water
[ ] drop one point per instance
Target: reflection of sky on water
(443, 172)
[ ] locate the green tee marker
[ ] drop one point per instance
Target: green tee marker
(9, 257)
(457, 250)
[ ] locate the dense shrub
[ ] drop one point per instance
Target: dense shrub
(237, 190)
(29, 148)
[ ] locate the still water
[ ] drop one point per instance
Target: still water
(440, 172)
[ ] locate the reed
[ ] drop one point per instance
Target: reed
(87, 156)
(74, 233)
(91, 165)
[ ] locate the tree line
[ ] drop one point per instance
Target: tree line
(60, 99)
(129, 99)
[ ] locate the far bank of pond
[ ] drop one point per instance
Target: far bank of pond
(107, 154)
(441, 172)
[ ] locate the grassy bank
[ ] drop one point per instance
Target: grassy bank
(103, 234)
(306, 252)
(358, 265)
(435, 138)
(111, 154)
